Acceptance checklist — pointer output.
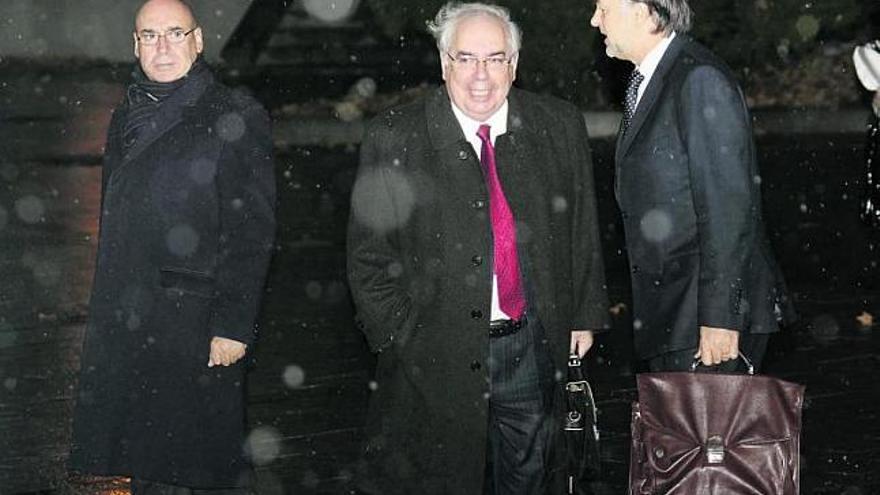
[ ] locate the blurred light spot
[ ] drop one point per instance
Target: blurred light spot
(365, 87)
(134, 322)
(46, 273)
(395, 269)
(10, 384)
(373, 385)
(202, 171)
(807, 27)
(656, 225)
(709, 112)
(310, 480)
(230, 127)
(560, 204)
(263, 445)
(182, 240)
(30, 209)
(637, 324)
(314, 290)
(293, 376)
(383, 200)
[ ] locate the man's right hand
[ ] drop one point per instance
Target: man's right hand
(225, 352)
(717, 345)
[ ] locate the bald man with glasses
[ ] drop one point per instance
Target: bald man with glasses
(186, 232)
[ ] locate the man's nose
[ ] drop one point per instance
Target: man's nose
(482, 71)
(162, 44)
(594, 20)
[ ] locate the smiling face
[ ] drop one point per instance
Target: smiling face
(165, 61)
(478, 91)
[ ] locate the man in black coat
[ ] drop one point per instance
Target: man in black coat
(705, 283)
(186, 233)
(475, 265)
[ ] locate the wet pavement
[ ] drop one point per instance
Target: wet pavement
(310, 382)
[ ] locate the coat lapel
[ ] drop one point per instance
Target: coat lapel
(651, 96)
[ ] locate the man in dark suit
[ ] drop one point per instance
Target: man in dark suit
(705, 283)
(475, 266)
(186, 233)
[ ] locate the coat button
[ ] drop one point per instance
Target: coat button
(478, 204)
(659, 453)
(477, 260)
(624, 215)
(475, 365)
(462, 155)
(635, 268)
(476, 314)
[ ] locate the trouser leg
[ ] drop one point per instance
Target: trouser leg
(521, 378)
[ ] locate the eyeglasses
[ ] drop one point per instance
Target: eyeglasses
(470, 62)
(173, 36)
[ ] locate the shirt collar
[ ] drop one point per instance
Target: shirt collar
(652, 59)
(497, 123)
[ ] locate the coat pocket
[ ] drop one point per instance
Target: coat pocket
(186, 281)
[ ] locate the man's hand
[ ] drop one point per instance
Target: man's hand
(581, 341)
(225, 352)
(717, 345)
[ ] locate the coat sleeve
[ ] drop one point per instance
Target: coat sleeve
(588, 269)
(381, 204)
(245, 184)
(720, 155)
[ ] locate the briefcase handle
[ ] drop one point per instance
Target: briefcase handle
(749, 366)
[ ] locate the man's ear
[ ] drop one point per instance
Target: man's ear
(136, 44)
(512, 67)
(444, 65)
(200, 44)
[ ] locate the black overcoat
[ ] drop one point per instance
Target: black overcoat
(688, 187)
(420, 269)
(186, 230)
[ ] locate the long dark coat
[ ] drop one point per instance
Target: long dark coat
(688, 186)
(187, 225)
(420, 269)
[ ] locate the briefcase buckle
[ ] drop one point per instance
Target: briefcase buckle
(574, 421)
(715, 450)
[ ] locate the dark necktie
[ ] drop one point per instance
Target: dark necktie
(632, 94)
(506, 261)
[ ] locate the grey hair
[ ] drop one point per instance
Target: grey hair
(670, 15)
(446, 21)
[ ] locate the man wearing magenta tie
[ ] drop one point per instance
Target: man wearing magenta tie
(475, 265)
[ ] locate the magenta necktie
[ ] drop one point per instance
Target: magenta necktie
(510, 293)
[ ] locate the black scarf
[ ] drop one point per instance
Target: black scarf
(144, 97)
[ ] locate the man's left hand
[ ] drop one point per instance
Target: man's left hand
(717, 345)
(225, 352)
(581, 341)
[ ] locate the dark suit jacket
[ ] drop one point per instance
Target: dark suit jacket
(420, 270)
(688, 187)
(187, 227)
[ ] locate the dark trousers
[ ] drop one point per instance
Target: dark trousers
(753, 346)
(521, 375)
(144, 487)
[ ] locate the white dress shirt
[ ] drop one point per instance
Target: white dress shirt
(497, 126)
(650, 62)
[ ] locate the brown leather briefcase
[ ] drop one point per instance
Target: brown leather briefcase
(715, 433)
